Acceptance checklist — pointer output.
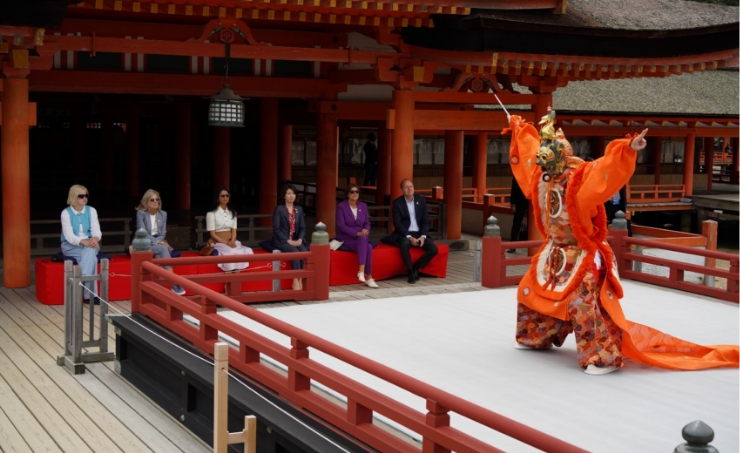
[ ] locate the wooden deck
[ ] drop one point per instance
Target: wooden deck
(44, 408)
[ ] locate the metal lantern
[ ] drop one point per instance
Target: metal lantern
(226, 109)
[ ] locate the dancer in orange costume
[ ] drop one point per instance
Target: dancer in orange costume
(573, 285)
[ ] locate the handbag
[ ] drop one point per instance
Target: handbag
(208, 248)
(524, 232)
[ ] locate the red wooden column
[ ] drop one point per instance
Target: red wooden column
(269, 135)
(383, 183)
(402, 157)
(285, 171)
(184, 155)
(16, 184)
(326, 172)
(734, 172)
(655, 145)
(709, 160)
(221, 157)
(480, 165)
(106, 150)
(453, 182)
(132, 152)
(688, 163)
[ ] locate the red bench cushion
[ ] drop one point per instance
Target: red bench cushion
(387, 263)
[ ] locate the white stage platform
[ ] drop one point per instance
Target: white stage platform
(463, 344)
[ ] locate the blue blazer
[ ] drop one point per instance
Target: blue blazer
(281, 226)
(347, 225)
(143, 220)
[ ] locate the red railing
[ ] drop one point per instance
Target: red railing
(655, 193)
(494, 264)
(151, 298)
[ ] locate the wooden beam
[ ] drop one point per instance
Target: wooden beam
(608, 131)
(463, 121)
(176, 84)
(473, 98)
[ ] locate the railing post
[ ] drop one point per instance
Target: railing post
(437, 416)
(697, 435)
(709, 231)
(637, 265)
(220, 397)
(477, 247)
(296, 380)
(104, 276)
(619, 232)
(491, 255)
(320, 250)
(276, 268)
(142, 251)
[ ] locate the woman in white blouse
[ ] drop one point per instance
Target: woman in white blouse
(81, 234)
(221, 224)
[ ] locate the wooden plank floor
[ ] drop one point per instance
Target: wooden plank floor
(45, 408)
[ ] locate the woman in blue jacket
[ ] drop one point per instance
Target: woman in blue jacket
(289, 228)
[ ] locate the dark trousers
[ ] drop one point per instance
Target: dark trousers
(371, 173)
(287, 248)
(405, 245)
(516, 224)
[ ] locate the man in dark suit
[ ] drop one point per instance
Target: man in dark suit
(411, 222)
(371, 160)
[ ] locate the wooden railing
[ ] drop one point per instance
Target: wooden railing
(501, 195)
(719, 158)
(494, 263)
(152, 299)
(655, 193)
(252, 229)
(46, 239)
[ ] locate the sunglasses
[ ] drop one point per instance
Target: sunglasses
(154, 199)
(354, 191)
(83, 195)
(225, 195)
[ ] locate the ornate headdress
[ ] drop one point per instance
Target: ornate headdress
(555, 153)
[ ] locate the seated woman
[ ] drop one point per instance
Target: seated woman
(221, 225)
(353, 228)
(81, 234)
(289, 228)
(149, 216)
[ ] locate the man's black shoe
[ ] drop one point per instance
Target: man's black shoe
(416, 274)
(412, 280)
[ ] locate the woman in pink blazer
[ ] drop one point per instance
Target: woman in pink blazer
(353, 228)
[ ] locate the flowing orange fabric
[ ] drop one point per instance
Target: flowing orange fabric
(590, 186)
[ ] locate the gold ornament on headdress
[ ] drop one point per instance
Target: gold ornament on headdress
(551, 153)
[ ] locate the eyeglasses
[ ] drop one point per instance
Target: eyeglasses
(225, 195)
(354, 191)
(154, 199)
(83, 195)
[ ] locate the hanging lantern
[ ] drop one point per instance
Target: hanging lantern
(226, 108)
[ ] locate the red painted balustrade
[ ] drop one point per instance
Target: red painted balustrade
(151, 298)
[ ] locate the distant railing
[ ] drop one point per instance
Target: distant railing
(46, 239)
(151, 298)
(252, 228)
(655, 193)
(719, 158)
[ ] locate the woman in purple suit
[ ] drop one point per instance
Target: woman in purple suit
(353, 227)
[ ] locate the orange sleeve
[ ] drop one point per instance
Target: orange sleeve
(525, 141)
(604, 177)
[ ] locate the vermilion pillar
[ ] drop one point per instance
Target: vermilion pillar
(734, 173)
(269, 135)
(326, 172)
(183, 155)
(286, 154)
(709, 160)
(402, 157)
(132, 139)
(383, 184)
(655, 144)
(221, 157)
(16, 185)
(480, 165)
(106, 150)
(453, 182)
(688, 164)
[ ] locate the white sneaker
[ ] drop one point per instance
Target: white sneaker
(518, 345)
(177, 289)
(371, 283)
(361, 277)
(597, 370)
